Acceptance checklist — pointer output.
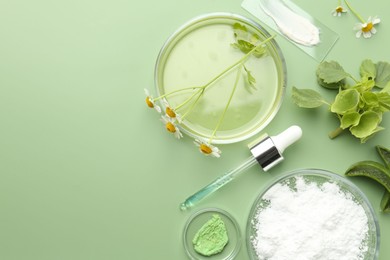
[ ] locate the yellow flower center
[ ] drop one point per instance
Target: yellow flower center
(205, 149)
(339, 9)
(149, 102)
(170, 112)
(368, 27)
(170, 127)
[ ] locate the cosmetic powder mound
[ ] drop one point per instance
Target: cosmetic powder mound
(309, 221)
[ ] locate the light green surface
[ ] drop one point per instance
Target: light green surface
(87, 170)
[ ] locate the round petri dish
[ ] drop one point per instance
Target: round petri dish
(198, 219)
(371, 241)
(196, 54)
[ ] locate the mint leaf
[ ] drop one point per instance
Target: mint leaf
(331, 72)
(307, 98)
(382, 74)
(368, 69)
(346, 101)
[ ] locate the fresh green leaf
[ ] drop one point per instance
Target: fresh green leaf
(346, 101)
(250, 80)
(307, 98)
(331, 72)
(336, 85)
(371, 169)
(384, 153)
(368, 69)
(386, 88)
(384, 100)
(382, 74)
(246, 41)
(368, 124)
(350, 119)
(385, 202)
(376, 130)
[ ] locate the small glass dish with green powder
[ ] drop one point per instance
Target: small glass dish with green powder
(212, 234)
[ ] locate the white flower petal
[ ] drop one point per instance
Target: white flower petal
(358, 34)
(376, 20)
(373, 30)
(358, 26)
(366, 34)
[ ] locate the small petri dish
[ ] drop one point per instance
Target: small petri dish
(197, 53)
(197, 220)
(371, 241)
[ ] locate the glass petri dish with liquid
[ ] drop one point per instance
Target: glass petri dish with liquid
(196, 54)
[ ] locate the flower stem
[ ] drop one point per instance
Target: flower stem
(226, 107)
(175, 91)
(193, 104)
(335, 133)
(354, 12)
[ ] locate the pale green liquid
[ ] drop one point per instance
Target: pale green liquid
(200, 56)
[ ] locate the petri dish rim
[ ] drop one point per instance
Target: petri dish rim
(276, 54)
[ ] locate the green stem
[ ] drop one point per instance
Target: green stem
(354, 12)
(238, 62)
(226, 107)
(175, 91)
(193, 105)
(356, 81)
(189, 99)
(335, 133)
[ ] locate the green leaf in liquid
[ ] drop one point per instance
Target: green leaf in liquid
(307, 98)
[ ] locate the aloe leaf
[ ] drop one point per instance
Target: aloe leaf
(384, 154)
(372, 170)
(385, 202)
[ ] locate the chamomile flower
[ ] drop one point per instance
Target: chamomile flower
(171, 112)
(150, 101)
(207, 149)
(367, 28)
(364, 27)
(338, 11)
(171, 126)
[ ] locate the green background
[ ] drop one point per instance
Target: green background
(87, 171)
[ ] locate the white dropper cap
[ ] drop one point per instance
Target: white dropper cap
(268, 151)
(287, 137)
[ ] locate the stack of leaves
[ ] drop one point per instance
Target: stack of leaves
(377, 172)
(359, 106)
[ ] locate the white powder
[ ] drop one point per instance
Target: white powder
(310, 222)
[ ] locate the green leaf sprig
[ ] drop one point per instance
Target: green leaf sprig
(377, 172)
(360, 105)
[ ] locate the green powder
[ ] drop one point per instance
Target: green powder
(211, 238)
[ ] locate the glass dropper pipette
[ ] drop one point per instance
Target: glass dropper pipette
(267, 152)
